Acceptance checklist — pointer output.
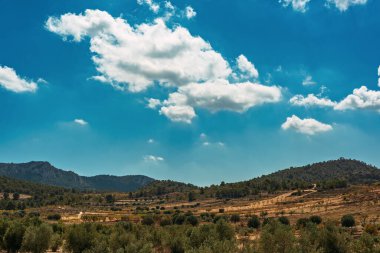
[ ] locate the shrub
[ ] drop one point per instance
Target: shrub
(192, 220)
(13, 237)
(179, 219)
(16, 196)
(371, 229)
(147, 220)
(37, 239)
(80, 238)
(284, 220)
(235, 218)
(221, 210)
(55, 242)
(165, 222)
(55, 216)
(277, 238)
(316, 219)
(348, 221)
(302, 222)
(254, 222)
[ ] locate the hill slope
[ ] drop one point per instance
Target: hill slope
(352, 171)
(329, 174)
(45, 173)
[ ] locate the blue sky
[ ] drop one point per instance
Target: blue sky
(195, 91)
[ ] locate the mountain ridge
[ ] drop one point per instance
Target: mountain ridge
(332, 172)
(45, 173)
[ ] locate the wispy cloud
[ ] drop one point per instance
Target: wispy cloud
(308, 81)
(10, 80)
(152, 158)
(81, 122)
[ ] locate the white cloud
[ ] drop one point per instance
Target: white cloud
(297, 5)
(246, 67)
(305, 126)
(302, 5)
(214, 144)
(151, 141)
(190, 12)
(41, 80)
(81, 122)
(361, 98)
(135, 58)
(153, 103)
(152, 5)
(343, 5)
(13, 82)
(203, 136)
(217, 95)
(179, 113)
(311, 100)
(308, 81)
(169, 5)
(152, 158)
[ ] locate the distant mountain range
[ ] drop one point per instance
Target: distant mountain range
(45, 173)
(348, 170)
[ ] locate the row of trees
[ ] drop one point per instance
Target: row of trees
(276, 236)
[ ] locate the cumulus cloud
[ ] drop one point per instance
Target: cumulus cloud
(135, 58)
(10, 80)
(308, 81)
(297, 5)
(246, 67)
(152, 158)
(179, 113)
(153, 103)
(81, 122)
(361, 98)
(306, 126)
(311, 100)
(343, 5)
(217, 95)
(190, 12)
(152, 5)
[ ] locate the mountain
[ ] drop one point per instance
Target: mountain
(45, 173)
(352, 171)
(330, 174)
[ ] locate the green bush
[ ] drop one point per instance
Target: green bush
(55, 216)
(254, 222)
(37, 238)
(192, 220)
(284, 220)
(147, 220)
(235, 218)
(316, 219)
(348, 221)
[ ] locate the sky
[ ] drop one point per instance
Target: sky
(199, 91)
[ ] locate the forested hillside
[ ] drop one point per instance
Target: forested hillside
(45, 173)
(330, 174)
